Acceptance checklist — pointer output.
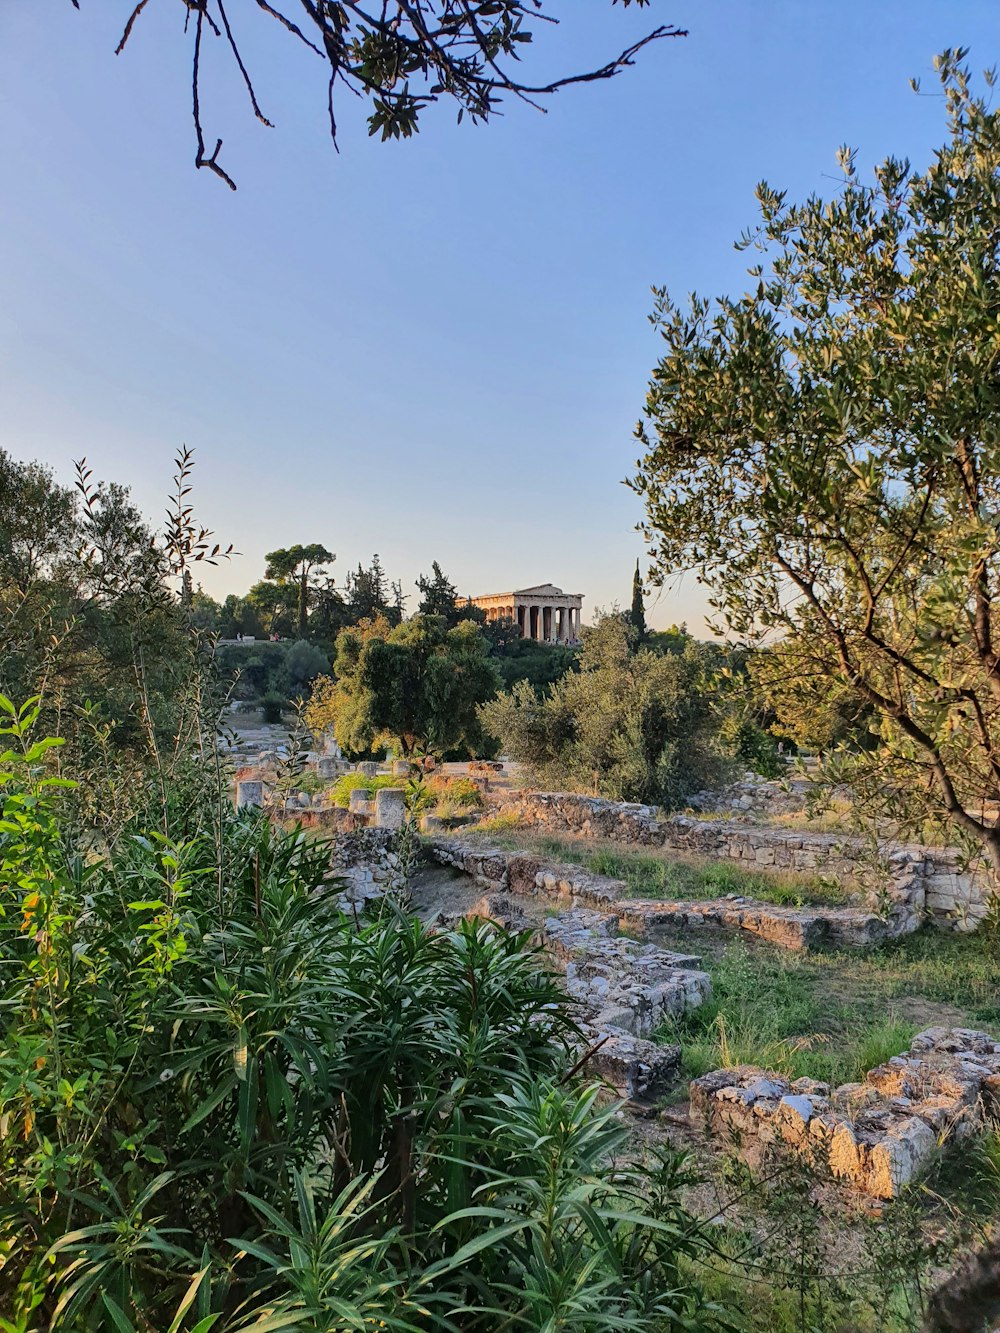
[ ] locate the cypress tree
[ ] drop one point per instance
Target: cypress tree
(637, 615)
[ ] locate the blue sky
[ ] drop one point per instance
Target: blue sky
(434, 349)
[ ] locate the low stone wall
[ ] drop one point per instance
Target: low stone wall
(877, 1135)
(627, 986)
(498, 871)
(753, 797)
(914, 884)
(788, 927)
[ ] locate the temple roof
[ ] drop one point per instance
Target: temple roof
(539, 590)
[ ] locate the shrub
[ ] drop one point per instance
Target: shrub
(272, 706)
(461, 792)
(348, 782)
(223, 1103)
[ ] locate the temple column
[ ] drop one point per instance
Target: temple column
(563, 624)
(538, 624)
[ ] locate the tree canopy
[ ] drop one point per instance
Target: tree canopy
(401, 57)
(413, 686)
(295, 564)
(824, 451)
(637, 614)
(631, 724)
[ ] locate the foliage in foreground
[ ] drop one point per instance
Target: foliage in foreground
(223, 1105)
(399, 58)
(824, 451)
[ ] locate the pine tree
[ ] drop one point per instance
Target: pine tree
(438, 595)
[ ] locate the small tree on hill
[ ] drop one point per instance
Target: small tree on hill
(825, 451)
(295, 564)
(369, 594)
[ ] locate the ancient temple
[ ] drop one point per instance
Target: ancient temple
(545, 612)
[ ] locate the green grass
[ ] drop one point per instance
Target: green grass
(666, 875)
(944, 967)
(343, 787)
(835, 1016)
(771, 1009)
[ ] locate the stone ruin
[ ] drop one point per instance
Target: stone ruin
(501, 871)
(878, 1135)
(623, 989)
(255, 786)
(372, 864)
(916, 884)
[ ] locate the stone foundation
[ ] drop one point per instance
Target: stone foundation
(499, 871)
(371, 863)
(915, 883)
(788, 927)
(878, 1135)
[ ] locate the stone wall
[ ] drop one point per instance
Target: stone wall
(496, 870)
(877, 1135)
(371, 862)
(913, 883)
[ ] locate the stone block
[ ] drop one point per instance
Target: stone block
(359, 804)
(390, 808)
(249, 794)
(899, 1158)
(367, 769)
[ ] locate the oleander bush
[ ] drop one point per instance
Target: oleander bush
(224, 1105)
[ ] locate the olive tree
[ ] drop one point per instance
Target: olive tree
(632, 724)
(399, 57)
(824, 451)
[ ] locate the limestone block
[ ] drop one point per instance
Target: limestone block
(401, 768)
(359, 802)
(638, 1068)
(328, 767)
(842, 1154)
(898, 1158)
(390, 808)
(249, 794)
(367, 769)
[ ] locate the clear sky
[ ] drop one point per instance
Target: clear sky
(434, 349)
